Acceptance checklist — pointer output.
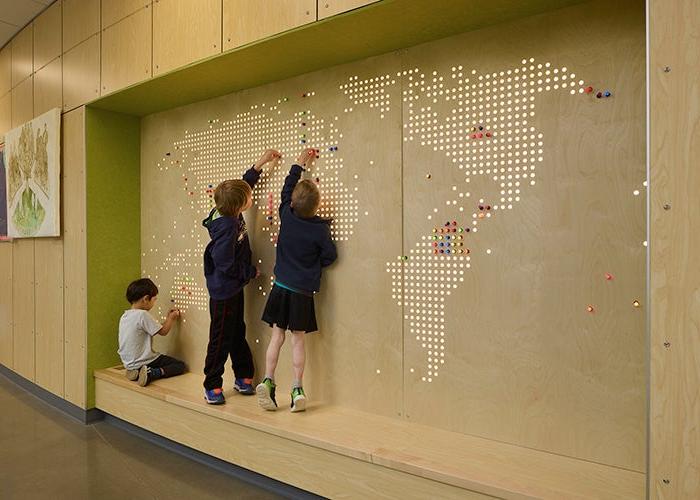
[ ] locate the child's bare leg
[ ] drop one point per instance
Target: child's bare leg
(298, 356)
(273, 351)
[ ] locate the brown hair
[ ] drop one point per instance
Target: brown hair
(306, 199)
(139, 289)
(231, 196)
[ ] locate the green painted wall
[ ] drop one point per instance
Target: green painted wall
(112, 149)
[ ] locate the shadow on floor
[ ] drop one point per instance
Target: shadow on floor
(46, 454)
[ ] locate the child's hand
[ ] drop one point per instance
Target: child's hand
(267, 157)
(257, 272)
(307, 156)
(173, 314)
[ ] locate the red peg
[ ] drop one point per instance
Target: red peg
(609, 277)
(590, 309)
(479, 135)
(588, 90)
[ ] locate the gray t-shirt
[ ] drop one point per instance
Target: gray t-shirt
(136, 330)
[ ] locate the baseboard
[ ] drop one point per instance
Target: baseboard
(73, 411)
(264, 482)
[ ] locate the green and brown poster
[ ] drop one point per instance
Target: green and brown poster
(32, 161)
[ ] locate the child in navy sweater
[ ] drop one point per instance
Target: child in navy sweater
(304, 247)
(228, 268)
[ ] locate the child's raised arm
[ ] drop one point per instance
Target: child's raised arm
(253, 174)
(306, 157)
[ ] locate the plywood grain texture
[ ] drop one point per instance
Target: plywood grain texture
(504, 347)
(81, 20)
(48, 290)
(328, 8)
(127, 51)
(74, 257)
(48, 39)
(184, 31)
(23, 356)
(674, 243)
(246, 22)
(81, 73)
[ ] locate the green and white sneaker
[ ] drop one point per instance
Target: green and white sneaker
(298, 400)
(266, 394)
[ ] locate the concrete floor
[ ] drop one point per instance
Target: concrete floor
(44, 454)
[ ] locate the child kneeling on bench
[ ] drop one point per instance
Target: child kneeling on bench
(136, 330)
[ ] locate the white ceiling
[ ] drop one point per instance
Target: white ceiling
(16, 14)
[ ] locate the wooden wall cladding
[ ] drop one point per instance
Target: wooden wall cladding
(498, 342)
(246, 22)
(184, 31)
(127, 51)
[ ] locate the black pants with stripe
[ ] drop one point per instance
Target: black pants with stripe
(227, 338)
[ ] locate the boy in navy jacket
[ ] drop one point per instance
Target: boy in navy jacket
(228, 268)
(304, 247)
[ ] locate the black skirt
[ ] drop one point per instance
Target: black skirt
(290, 310)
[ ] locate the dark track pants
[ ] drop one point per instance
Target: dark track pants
(227, 338)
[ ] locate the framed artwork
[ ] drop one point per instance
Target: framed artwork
(3, 196)
(32, 177)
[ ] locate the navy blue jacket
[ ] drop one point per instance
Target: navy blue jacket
(227, 258)
(304, 246)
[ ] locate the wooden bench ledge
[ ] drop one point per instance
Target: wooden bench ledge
(459, 460)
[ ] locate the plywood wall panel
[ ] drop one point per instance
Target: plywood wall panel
(184, 31)
(5, 69)
(559, 172)
(74, 256)
(6, 339)
(48, 40)
(499, 342)
(361, 182)
(114, 11)
(5, 113)
(328, 8)
(81, 20)
(126, 51)
(22, 49)
(23, 308)
(49, 336)
(245, 22)
(674, 243)
(81, 74)
(48, 87)
(23, 102)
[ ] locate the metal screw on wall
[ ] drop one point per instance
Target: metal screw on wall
(667, 344)
(667, 69)
(667, 206)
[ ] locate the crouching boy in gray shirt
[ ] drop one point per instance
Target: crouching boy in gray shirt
(136, 330)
